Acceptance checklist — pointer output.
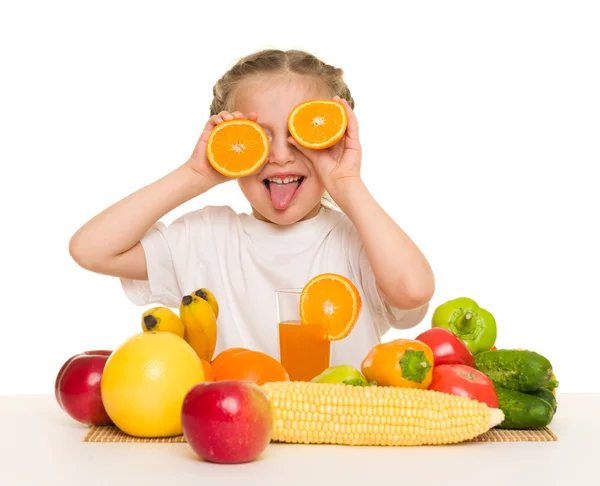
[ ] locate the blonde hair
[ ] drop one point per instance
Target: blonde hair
(274, 61)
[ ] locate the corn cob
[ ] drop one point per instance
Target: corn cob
(320, 413)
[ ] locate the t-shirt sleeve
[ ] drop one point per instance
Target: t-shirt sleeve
(168, 249)
(385, 315)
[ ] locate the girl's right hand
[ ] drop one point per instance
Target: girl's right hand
(198, 160)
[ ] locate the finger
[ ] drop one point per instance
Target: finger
(253, 116)
(219, 118)
(352, 129)
(227, 116)
(212, 122)
(215, 120)
(237, 115)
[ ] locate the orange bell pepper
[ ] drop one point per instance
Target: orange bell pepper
(403, 362)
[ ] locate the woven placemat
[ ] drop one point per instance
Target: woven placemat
(110, 433)
(542, 434)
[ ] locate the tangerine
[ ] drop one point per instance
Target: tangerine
(252, 366)
(224, 356)
(209, 374)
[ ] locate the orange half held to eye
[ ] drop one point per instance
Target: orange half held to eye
(318, 124)
(237, 148)
(332, 301)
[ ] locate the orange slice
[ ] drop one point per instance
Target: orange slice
(237, 148)
(318, 124)
(332, 301)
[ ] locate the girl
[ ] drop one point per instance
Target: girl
(292, 234)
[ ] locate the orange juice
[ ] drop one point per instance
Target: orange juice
(303, 350)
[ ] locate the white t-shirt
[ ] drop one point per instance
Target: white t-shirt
(243, 260)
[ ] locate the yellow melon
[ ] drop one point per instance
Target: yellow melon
(145, 381)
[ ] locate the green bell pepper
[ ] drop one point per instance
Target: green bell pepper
(342, 374)
(474, 326)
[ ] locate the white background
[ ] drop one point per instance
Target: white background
(480, 123)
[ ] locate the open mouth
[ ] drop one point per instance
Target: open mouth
(282, 191)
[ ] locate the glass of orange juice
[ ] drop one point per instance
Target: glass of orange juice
(304, 350)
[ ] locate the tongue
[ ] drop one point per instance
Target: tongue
(281, 194)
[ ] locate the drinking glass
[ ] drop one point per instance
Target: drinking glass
(304, 350)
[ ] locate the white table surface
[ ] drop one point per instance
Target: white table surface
(40, 445)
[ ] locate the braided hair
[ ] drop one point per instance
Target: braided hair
(277, 62)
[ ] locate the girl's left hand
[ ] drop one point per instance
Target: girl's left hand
(341, 162)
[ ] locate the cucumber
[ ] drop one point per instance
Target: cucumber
(515, 369)
(522, 410)
(547, 395)
(552, 384)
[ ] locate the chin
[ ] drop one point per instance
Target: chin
(285, 217)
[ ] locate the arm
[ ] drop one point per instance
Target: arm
(110, 242)
(403, 275)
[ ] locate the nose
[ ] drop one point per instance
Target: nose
(281, 151)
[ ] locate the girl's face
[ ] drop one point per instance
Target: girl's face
(286, 189)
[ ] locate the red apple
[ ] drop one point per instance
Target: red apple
(227, 422)
(447, 347)
(77, 387)
(102, 352)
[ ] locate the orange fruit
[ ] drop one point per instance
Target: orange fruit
(237, 148)
(318, 124)
(332, 301)
(224, 356)
(252, 366)
(209, 374)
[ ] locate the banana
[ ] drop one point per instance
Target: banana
(208, 296)
(200, 324)
(162, 319)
